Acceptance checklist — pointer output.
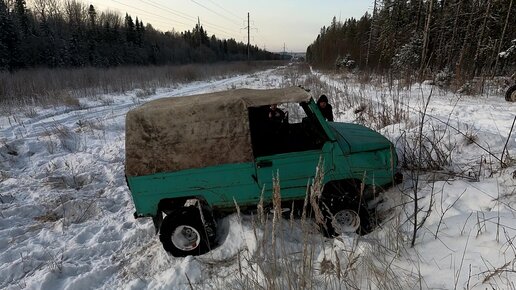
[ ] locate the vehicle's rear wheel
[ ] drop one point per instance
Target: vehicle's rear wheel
(183, 233)
(510, 95)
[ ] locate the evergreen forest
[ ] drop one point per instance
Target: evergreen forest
(420, 38)
(53, 33)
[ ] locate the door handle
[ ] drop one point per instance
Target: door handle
(264, 163)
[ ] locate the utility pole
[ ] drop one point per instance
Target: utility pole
(248, 36)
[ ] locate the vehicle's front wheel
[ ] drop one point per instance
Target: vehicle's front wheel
(183, 233)
(510, 95)
(343, 215)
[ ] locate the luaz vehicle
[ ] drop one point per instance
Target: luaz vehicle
(190, 159)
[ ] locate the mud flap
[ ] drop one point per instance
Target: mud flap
(398, 178)
(157, 220)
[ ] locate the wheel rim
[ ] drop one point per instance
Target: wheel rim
(186, 238)
(346, 221)
(513, 96)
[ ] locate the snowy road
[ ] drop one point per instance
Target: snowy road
(66, 214)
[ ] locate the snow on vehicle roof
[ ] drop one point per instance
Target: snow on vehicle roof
(177, 133)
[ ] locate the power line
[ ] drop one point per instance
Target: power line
(150, 13)
(234, 14)
(214, 12)
(167, 18)
(177, 13)
(186, 16)
(147, 17)
(259, 36)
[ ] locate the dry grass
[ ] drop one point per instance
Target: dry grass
(292, 254)
(376, 111)
(49, 87)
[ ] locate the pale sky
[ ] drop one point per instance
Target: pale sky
(293, 23)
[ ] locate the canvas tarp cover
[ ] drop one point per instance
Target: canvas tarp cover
(177, 133)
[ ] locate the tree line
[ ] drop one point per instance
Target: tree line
(52, 33)
(464, 38)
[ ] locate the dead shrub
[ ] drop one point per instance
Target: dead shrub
(89, 126)
(30, 112)
(143, 93)
(187, 73)
(107, 101)
(48, 217)
(431, 154)
(71, 102)
(68, 139)
(470, 136)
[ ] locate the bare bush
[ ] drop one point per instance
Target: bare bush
(470, 136)
(68, 139)
(432, 153)
(3, 175)
(89, 126)
(143, 93)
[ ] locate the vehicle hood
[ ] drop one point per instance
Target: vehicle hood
(357, 138)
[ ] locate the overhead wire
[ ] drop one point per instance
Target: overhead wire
(160, 6)
(146, 16)
(215, 12)
(149, 13)
(113, 10)
(259, 36)
(189, 17)
(234, 14)
(168, 19)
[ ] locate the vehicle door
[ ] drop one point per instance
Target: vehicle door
(291, 152)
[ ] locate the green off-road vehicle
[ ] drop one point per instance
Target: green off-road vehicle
(190, 159)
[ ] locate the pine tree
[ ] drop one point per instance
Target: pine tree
(21, 13)
(92, 16)
(129, 29)
(8, 40)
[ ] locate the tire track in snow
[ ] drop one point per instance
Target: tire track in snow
(37, 126)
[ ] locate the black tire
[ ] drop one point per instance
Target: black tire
(333, 206)
(510, 95)
(183, 232)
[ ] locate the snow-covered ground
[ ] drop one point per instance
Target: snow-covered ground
(66, 219)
